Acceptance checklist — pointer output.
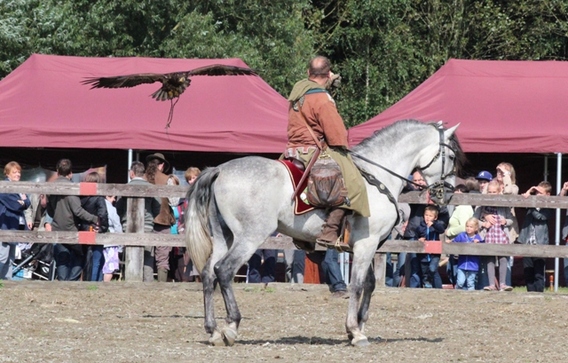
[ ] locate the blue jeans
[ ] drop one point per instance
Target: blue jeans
(415, 270)
(429, 267)
(97, 263)
(466, 279)
(69, 263)
(262, 272)
(332, 272)
(452, 269)
(389, 274)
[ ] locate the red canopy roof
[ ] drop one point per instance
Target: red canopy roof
(502, 106)
(44, 104)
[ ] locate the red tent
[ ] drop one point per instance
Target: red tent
(502, 106)
(44, 104)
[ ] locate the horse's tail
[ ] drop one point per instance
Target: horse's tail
(197, 233)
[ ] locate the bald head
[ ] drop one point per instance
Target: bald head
(319, 67)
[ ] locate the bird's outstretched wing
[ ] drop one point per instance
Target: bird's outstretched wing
(173, 84)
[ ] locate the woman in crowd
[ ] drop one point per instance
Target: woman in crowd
(12, 206)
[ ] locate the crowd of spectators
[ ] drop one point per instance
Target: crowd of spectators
(462, 223)
(98, 214)
(476, 224)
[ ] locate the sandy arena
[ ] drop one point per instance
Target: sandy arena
(135, 322)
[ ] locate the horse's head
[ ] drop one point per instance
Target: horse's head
(439, 163)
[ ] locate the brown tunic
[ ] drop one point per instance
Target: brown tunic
(321, 115)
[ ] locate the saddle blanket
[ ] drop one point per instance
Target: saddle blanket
(300, 207)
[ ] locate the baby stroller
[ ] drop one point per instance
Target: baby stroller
(36, 263)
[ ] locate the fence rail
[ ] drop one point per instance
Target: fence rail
(135, 239)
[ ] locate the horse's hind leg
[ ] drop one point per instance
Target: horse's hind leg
(208, 280)
(225, 270)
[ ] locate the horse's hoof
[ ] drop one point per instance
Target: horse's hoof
(230, 335)
(360, 342)
(216, 339)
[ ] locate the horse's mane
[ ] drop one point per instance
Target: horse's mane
(402, 128)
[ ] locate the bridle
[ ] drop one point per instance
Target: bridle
(437, 189)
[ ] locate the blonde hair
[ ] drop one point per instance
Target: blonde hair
(474, 221)
(11, 166)
(546, 186)
(509, 167)
(495, 183)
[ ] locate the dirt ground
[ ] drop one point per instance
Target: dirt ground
(134, 322)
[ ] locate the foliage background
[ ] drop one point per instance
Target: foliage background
(382, 48)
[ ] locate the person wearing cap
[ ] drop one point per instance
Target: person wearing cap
(157, 166)
(151, 210)
(484, 177)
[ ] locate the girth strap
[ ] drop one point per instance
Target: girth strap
(384, 190)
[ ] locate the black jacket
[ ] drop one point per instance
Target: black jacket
(95, 205)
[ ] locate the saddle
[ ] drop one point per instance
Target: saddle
(301, 207)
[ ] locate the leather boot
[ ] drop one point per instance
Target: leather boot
(162, 275)
(332, 226)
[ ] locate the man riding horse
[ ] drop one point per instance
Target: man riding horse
(313, 115)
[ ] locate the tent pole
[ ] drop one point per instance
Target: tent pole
(557, 229)
(129, 165)
(545, 168)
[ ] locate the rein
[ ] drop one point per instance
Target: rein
(437, 188)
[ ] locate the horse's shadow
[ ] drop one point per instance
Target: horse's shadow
(303, 340)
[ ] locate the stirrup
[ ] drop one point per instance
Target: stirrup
(337, 245)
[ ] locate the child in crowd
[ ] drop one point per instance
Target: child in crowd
(111, 252)
(429, 230)
(468, 265)
(457, 224)
(495, 224)
(483, 178)
(535, 232)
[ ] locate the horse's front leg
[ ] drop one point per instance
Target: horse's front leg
(358, 308)
(368, 288)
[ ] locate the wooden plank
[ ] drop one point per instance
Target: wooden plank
(493, 200)
(180, 191)
(102, 189)
(285, 242)
(134, 255)
(484, 249)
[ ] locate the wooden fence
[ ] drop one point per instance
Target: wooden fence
(135, 239)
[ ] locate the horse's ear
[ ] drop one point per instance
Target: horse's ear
(449, 132)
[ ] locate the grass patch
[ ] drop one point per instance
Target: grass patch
(259, 289)
(92, 287)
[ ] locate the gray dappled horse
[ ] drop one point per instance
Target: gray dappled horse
(234, 207)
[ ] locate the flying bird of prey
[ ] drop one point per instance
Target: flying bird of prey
(173, 84)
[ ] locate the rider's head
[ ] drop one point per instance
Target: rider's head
(319, 70)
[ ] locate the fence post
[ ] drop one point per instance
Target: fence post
(134, 260)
